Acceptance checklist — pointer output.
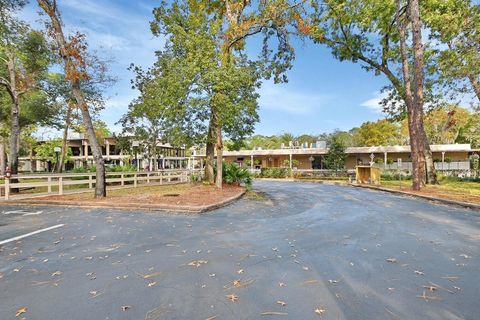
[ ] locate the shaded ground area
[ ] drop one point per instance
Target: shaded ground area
(462, 191)
(177, 194)
(295, 251)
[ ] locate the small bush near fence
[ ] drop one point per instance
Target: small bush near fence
(108, 168)
(322, 174)
(275, 172)
(395, 175)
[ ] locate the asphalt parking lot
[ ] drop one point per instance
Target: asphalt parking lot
(300, 251)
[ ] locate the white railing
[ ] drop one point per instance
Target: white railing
(453, 165)
(85, 181)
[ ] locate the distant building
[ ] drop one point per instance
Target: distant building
(311, 156)
(170, 157)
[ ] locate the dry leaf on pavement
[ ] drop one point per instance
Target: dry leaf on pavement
(319, 311)
(20, 311)
(232, 297)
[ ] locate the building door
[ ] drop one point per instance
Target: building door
(317, 163)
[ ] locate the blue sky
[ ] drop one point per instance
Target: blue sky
(322, 94)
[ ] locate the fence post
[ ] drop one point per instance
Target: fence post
(49, 185)
(161, 177)
(148, 177)
(60, 185)
(90, 182)
(7, 188)
(123, 181)
(134, 180)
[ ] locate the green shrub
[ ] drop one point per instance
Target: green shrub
(275, 172)
(79, 170)
(124, 168)
(234, 174)
(393, 176)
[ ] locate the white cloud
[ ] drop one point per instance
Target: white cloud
(374, 103)
(280, 98)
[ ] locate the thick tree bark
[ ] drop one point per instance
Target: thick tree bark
(210, 153)
(63, 153)
(14, 135)
(475, 85)
(416, 144)
(69, 65)
(418, 84)
(3, 162)
(219, 148)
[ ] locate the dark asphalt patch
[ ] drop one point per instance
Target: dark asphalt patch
(320, 250)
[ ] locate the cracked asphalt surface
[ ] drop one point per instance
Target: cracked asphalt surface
(326, 252)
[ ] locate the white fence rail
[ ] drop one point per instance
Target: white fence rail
(56, 183)
(441, 166)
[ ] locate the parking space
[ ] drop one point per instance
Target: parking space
(295, 251)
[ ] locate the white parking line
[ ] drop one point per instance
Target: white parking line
(23, 212)
(30, 234)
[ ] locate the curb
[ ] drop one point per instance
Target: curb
(153, 207)
(467, 205)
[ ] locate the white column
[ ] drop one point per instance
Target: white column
(107, 148)
(251, 162)
(443, 160)
(385, 158)
(291, 159)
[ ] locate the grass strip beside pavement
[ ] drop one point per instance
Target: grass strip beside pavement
(463, 191)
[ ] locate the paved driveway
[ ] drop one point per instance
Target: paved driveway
(320, 250)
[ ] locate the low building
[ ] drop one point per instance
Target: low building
(170, 157)
(307, 157)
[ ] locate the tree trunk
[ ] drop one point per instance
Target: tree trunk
(210, 153)
(3, 162)
(418, 84)
(219, 147)
(63, 153)
(430, 165)
(416, 145)
(475, 85)
(69, 65)
(100, 184)
(14, 138)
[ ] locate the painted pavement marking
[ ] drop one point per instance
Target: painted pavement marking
(30, 234)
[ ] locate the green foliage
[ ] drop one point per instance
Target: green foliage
(336, 156)
(234, 174)
(395, 176)
(45, 150)
(275, 172)
(295, 163)
(119, 168)
(379, 133)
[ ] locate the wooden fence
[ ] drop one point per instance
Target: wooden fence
(45, 184)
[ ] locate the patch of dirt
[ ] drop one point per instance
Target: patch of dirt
(185, 195)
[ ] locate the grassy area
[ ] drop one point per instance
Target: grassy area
(448, 188)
